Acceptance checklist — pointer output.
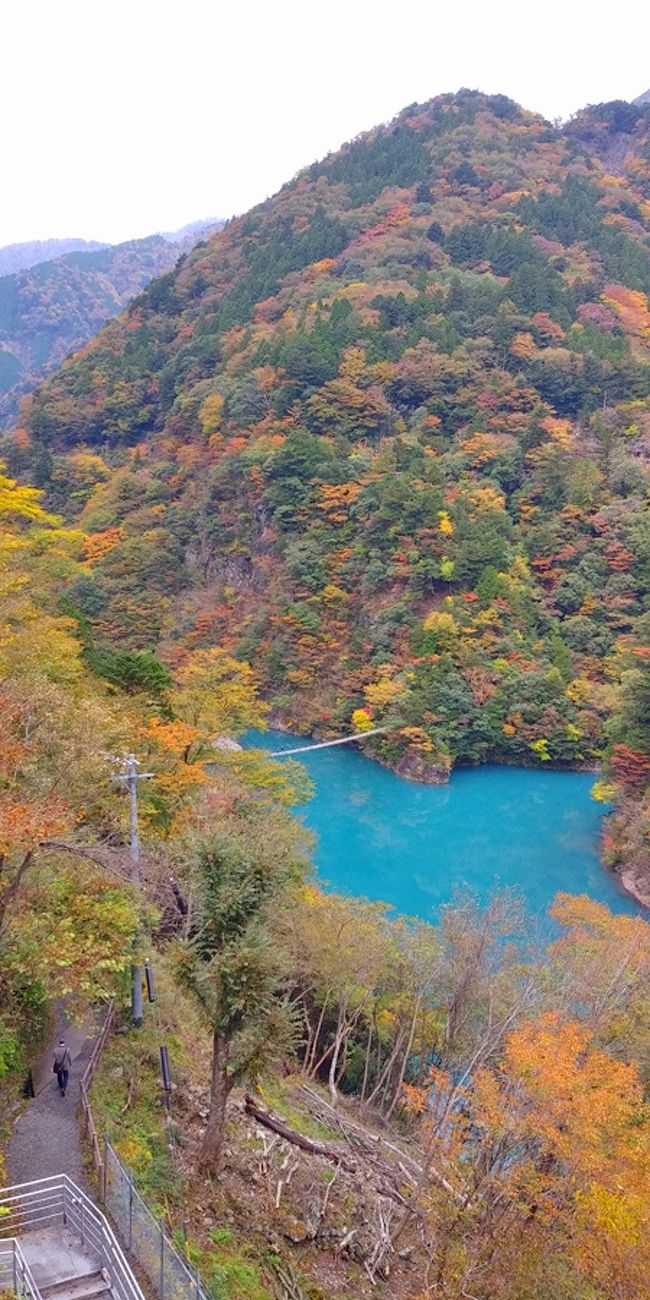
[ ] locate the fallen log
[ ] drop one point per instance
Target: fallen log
(381, 1175)
(267, 1120)
(351, 1130)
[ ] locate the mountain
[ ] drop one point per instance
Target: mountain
(19, 257)
(53, 305)
(387, 437)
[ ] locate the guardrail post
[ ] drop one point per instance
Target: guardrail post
(105, 1178)
(162, 1263)
(82, 1223)
(15, 1273)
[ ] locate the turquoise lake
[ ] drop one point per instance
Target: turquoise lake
(413, 845)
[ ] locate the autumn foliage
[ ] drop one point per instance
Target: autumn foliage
(384, 438)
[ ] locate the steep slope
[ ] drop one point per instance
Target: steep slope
(51, 307)
(387, 436)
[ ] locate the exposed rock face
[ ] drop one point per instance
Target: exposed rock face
(415, 766)
(636, 882)
(642, 99)
(226, 744)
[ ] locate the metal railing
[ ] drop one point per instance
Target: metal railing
(48, 1202)
(84, 1088)
(15, 1274)
(171, 1276)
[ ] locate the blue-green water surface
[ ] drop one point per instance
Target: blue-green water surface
(413, 845)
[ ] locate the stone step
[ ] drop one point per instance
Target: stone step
(86, 1286)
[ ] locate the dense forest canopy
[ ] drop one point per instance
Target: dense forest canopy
(386, 437)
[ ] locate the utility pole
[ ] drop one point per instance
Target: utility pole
(130, 778)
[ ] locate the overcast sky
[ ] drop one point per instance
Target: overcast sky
(122, 117)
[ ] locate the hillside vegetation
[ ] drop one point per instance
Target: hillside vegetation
(460, 1110)
(56, 295)
(386, 438)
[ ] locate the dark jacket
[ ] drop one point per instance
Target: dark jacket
(62, 1059)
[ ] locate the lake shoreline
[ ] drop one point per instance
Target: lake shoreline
(496, 824)
(416, 771)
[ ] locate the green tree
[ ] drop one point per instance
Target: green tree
(241, 877)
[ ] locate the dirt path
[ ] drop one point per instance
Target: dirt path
(46, 1137)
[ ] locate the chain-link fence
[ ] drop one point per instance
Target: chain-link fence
(143, 1235)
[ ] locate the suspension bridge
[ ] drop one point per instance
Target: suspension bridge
(326, 744)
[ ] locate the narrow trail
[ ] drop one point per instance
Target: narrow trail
(46, 1137)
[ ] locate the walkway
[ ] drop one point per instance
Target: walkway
(327, 744)
(46, 1139)
(56, 1255)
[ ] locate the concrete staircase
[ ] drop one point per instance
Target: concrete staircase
(59, 1245)
(86, 1286)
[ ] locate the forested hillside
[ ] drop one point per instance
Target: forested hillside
(54, 302)
(386, 437)
(460, 1109)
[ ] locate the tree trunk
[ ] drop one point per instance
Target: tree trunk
(12, 889)
(308, 1067)
(211, 1146)
(387, 1068)
(341, 1034)
(366, 1067)
(397, 1092)
(290, 1135)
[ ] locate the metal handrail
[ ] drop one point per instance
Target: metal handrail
(58, 1199)
(86, 1109)
(22, 1282)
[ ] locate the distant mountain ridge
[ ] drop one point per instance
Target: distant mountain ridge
(49, 307)
(194, 229)
(19, 257)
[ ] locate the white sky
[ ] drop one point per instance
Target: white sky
(122, 117)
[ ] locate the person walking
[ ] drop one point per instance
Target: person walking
(61, 1067)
